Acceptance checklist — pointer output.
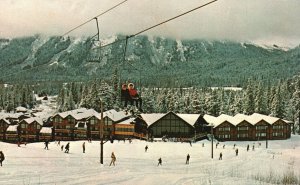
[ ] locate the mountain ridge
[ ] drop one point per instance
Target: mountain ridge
(152, 60)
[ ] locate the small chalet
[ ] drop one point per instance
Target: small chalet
(46, 134)
(11, 134)
(3, 127)
(29, 129)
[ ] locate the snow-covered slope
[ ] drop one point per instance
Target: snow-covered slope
(32, 164)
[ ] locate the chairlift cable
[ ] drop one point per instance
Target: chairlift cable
(168, 20)
(94, 17)
(115, 42)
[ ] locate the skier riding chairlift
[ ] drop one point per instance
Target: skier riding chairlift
(130, 94)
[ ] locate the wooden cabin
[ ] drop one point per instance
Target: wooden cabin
(46, 134)
(63, 125)
(29, 129)
(12, 134)
(3, 127)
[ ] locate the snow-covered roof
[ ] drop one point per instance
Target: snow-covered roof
(46, 130)
(250, 119)
(113, 115)
(21, 109)
(32, 119)
(127, 121)
(12, 128)
(189, 118)
(5, 120)
(10, 115)
(271, 120)
(78, 114)
(151, 118)
(211, 120)
(224, 117)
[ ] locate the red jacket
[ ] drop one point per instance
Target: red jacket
(133, 93)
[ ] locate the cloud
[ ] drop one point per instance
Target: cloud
(224, 19)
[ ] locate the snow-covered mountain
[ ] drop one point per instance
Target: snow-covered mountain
(149, 59)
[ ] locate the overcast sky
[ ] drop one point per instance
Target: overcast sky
(270, 21)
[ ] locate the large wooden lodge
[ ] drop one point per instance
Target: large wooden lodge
(81, 124)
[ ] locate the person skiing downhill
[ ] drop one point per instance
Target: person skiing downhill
(83, 147)
(1, 157)
(221, 155)
(236, 152)
(187, 159)
(46, 145)
(159, 162)
(146, 148)
(113, 159)
(67, 148)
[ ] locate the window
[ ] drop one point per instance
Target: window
(261, 127)
(224, 136)
(277, 134)
(244, 135)
(126, 129)
(93, 121)
(224, 129)
(38, 126)
(261, 134)
(278, 127)
(71, 120)
(23, 126)
(243, 128)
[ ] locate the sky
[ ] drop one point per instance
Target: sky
(265, 21)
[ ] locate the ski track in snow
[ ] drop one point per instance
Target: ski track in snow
(32, 164)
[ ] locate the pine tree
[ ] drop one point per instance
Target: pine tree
(260, 104)
(249, 106)
(277, 108)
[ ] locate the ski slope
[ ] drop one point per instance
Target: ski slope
(32, 164)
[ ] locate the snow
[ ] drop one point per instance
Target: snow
(228, 88)
(32, 164)
(152, 118)
(189, 118)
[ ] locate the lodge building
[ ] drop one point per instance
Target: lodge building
(81, 124)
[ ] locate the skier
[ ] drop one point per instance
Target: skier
(159, 162)
(247, 148)
(220, 158)
(1, 157)
(125, 96)
(202, 144)
(67, 148)
(223, 146)
(187, 159)
(236, 152)
(135, 96)
(146, 148)
(58, 143)
(234, 146)
(190, 142)
(113, 159)
(253, 148)
(62, 147)
(46, 145)
(83, 147)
